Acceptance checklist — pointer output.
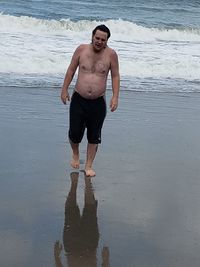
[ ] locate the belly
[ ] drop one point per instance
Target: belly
(91, 86)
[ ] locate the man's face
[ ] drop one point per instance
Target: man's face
(99, 40)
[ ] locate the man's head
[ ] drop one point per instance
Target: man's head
(102, 28)
(100, 37)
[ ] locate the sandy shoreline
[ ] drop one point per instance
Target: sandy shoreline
(147, 184)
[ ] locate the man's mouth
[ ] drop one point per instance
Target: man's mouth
(98, 45)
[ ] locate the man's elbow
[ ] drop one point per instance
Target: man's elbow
(70, 72)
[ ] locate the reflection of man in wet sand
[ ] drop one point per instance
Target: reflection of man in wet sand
(80, 235)
(88, 108)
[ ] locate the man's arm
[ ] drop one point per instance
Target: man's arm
(115, 76)
(69, 75)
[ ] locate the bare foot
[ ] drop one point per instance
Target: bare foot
(75, 161)
(89, 172)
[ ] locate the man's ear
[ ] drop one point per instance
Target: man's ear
(92, 39)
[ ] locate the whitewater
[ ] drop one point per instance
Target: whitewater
(35, 51)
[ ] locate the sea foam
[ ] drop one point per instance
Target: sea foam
(38, 46)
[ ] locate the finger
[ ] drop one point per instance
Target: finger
(64, 101)
(113, 108)
(67, 97)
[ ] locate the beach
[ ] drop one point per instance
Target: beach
(142, 207)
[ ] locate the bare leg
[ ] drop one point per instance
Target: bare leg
(75, 155)
(91, 153)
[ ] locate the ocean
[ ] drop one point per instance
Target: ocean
(158, 42)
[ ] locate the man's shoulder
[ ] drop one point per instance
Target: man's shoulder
(82, 47)
(111, 53)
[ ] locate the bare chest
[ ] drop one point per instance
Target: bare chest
(99, 65)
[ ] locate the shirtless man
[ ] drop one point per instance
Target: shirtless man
(87, 107)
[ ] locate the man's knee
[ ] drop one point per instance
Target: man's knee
(94, 139)
(75, 138)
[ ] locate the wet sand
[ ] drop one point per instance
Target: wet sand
(142, 208)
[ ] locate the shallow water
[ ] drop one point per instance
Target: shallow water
(147, 183)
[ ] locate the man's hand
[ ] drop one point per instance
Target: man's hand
(113, 103)
(65, 96)
(57, 252)
(105, 257)
(57, 249)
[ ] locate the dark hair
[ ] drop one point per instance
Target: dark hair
(102, 28)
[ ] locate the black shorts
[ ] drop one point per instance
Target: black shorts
(86, 113)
